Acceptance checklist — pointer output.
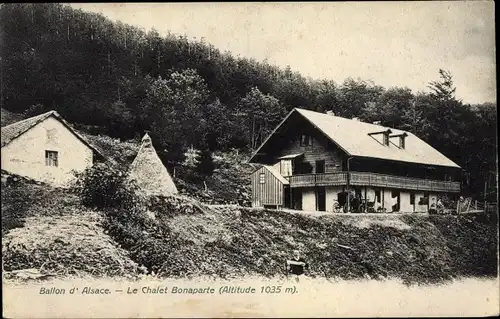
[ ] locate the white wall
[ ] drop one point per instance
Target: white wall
(331, 196)
(404, 204)
(25, 155)
(308, 199)
(388, 201)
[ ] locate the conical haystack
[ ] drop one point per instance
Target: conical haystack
(149, 172)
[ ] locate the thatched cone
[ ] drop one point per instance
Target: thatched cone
(149, 172)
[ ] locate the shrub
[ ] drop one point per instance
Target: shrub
(105, 186)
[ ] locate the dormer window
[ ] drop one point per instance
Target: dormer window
(385, 136)
(401, 139)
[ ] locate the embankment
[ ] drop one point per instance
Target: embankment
(179, 237)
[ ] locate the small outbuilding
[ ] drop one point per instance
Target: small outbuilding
(268, 187)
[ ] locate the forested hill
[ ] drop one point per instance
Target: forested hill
(122, 80)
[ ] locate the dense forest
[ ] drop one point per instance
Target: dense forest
(119, 80)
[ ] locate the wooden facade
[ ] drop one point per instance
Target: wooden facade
(267, 189)
(318, 151)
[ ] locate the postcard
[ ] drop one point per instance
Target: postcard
(258, 159)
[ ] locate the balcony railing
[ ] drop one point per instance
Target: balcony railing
(326, 179)
(373, 179)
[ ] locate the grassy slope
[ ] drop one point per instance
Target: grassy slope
(414, 248)
(46, 229)
(181, 237)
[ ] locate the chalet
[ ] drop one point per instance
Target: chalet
(316, 162)
(46, 148)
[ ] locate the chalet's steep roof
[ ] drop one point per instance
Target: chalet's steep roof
(352, 137)
(14, 130)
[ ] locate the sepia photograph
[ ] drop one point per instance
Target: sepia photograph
(249, 159)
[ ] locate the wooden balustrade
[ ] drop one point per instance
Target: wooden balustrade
(326, 179)
(373, 179)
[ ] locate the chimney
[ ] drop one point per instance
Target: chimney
(376, 122)
(330, 112)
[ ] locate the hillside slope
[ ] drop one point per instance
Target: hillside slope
(180, 237)
(46, 230)
(8, 117)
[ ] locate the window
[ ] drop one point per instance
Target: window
(286, 167)
(262, 178)
(412, 198)
(320, 166)
(51, 158)
(305, 140)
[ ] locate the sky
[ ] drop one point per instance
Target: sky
(389, 43)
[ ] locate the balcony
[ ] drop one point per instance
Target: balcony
(373, 179)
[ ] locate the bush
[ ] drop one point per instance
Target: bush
(105, 186)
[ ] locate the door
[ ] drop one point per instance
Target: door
(296, 199)
(287, 200)
(321, 199)
(320, 166)
(396, 197)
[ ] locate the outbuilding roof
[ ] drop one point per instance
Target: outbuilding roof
(277, 174)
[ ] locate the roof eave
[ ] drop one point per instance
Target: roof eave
(403, 161)
(270, 135)
(81, 138)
